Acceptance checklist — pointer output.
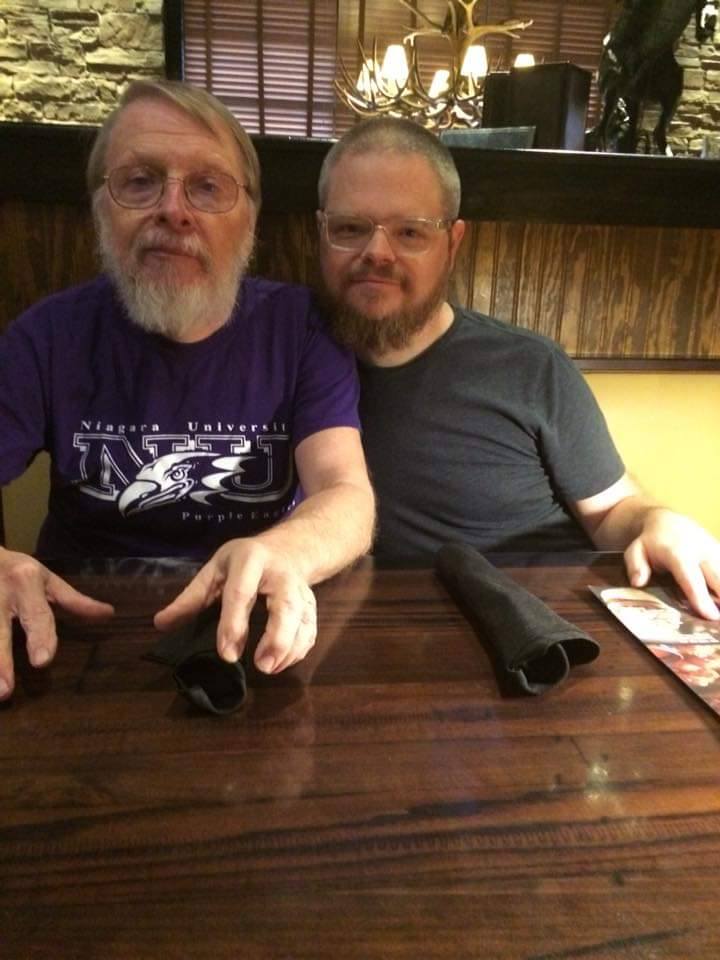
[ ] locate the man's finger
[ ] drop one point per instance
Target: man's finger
(711, 572)
(232, 633)
(302, 645)
(37, 620)
(32, 609)
(278, 639)
(637, 563)
(691, 580)
(63, 595)
(203, 589)
(291, 628)
(238, 599)
(7, 679)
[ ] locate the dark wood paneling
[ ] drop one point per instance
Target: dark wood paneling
(46, 247)
(624, 293)
(44, 162)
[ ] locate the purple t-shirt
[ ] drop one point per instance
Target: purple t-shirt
(161, 448)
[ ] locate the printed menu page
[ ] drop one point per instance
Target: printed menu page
(686, 644)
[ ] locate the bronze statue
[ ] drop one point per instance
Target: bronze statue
(638, 65)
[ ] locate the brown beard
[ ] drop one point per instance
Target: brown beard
(375, 336)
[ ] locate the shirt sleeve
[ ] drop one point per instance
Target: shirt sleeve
(580, 455)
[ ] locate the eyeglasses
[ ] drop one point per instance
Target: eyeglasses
(410, 236)
(141, 187)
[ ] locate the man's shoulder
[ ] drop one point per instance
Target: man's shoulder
(92, 298)
(499, 342)
(475, 325)
(262, 293)
(281, 306)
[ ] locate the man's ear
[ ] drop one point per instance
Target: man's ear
(318, 219)
(457, 232)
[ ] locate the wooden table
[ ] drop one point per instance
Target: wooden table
(380, 801)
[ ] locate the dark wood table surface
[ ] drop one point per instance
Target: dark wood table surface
(380, 800)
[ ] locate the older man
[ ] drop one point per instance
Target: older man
(473, 429)
(183, 406)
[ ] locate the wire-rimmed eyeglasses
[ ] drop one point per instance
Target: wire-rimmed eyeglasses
(138, 187)
(409, 235)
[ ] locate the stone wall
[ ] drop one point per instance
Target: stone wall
(698, 112)
(67, 61)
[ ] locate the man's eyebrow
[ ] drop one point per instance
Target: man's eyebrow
(142, 159)
(149, 159)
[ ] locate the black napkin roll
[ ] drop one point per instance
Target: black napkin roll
(201, 675)
(533, 647)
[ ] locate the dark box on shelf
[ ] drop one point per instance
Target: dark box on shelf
(490, 138)
(552, 97)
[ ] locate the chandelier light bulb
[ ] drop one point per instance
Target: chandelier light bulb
(395, 67)
(475, 64)
(440, 84)
(366, 84)
(524, 60)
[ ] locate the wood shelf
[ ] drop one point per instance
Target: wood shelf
(45, 162)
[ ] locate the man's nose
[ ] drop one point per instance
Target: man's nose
(173, 206)
(378, 249)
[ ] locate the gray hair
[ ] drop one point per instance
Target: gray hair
(394, 134)
(198, 104)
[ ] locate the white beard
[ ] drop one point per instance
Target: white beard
(173, 309)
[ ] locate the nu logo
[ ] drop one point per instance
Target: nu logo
(205, 468)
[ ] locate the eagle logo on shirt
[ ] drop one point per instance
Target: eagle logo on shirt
(165, 480)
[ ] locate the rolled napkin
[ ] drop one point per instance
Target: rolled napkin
(201, 675)
(533, 647)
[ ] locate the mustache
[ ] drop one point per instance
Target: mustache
(380, 272)
(154, 237)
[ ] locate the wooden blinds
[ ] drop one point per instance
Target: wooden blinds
(273, 64)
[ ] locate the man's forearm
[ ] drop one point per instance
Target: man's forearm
(623, 522)
(616, 516)
(327, 531)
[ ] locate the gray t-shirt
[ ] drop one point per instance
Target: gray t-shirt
(484, 437)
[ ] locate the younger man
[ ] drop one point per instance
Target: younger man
(473, 429)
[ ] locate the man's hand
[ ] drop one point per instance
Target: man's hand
(330, 529)
(240, 571)
(654, 538)
(674, 543)
(27, 589)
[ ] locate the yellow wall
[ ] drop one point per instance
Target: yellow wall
(665, 425)
(667, 428)
(24, 506)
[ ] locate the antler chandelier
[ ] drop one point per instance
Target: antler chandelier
(454, 97)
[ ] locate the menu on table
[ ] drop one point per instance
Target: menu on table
(665, 624)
